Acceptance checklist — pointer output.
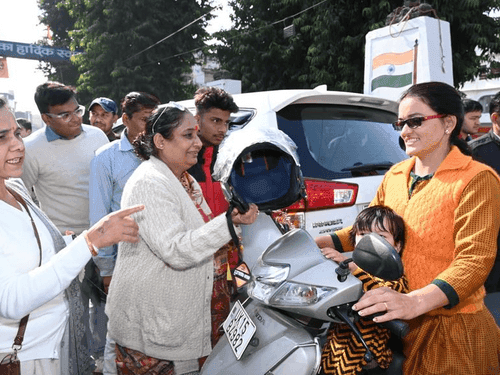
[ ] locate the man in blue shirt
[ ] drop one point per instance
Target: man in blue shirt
(103, 113)
(110, 169)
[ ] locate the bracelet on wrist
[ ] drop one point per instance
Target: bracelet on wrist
(93, 249)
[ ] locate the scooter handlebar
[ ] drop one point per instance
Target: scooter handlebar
(397, 327)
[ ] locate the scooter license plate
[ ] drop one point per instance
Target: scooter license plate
(239, 329)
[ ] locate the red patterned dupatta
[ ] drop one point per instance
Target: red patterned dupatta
(197, 197)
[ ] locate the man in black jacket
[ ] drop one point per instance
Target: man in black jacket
(472, 119)
(486, 149)
(213, 109)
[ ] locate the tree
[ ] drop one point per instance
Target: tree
(329, 40)
(121, 53)
(57, 18)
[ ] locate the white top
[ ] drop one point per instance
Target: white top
(26, 288)
(59, 171)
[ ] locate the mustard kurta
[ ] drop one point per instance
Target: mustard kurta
(452, 222)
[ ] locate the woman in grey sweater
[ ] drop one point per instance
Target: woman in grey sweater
(160, 295)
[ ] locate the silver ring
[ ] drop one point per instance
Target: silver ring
(386, 308)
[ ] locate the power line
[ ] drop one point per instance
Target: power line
(243, 33)
(284, 19)
(162, 40)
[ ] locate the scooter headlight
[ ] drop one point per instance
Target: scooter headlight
(266, 279)
(294, 294)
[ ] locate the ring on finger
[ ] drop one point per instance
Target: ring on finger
(386, 308)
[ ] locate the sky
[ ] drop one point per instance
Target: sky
(19, 23)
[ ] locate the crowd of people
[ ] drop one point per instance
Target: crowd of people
(116, 254)
(78, 175)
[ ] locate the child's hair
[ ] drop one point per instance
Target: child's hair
(376, 215)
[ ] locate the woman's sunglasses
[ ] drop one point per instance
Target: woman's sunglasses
(168, 105)
(414, 122)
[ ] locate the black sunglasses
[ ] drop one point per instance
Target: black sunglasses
(414, 122)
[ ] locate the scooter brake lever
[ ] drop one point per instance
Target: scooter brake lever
(341, 312)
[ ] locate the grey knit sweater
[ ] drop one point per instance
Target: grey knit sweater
(160, 293)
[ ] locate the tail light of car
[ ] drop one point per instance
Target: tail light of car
(321, 195)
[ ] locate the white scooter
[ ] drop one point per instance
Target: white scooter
(295, 294)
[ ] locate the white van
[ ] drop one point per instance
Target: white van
(345, 141)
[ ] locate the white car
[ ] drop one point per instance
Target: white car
(345, 141)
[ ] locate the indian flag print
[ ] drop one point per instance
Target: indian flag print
(393, 69)
(391, 64)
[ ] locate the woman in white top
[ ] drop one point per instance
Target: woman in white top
(54, 341)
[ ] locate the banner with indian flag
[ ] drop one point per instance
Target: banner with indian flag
(396, 69)
(399, 55)
(394, 63)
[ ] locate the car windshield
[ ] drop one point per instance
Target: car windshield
(342, 141)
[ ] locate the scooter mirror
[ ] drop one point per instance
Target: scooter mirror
(378, 257)
(234, 198)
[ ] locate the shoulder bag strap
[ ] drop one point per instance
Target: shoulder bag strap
(24, 321)
(20, 333)
(23, 203)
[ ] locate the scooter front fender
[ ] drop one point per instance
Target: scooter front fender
(280, 346)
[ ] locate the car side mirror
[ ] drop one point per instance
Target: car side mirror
(378, 257)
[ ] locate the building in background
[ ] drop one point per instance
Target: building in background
(8, 96)
(207, 72)
(35, 119)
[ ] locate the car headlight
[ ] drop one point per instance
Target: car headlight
(294, 294)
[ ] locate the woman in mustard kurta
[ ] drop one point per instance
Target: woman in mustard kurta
(450, 204)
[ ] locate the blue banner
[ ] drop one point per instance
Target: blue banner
(35, 51)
